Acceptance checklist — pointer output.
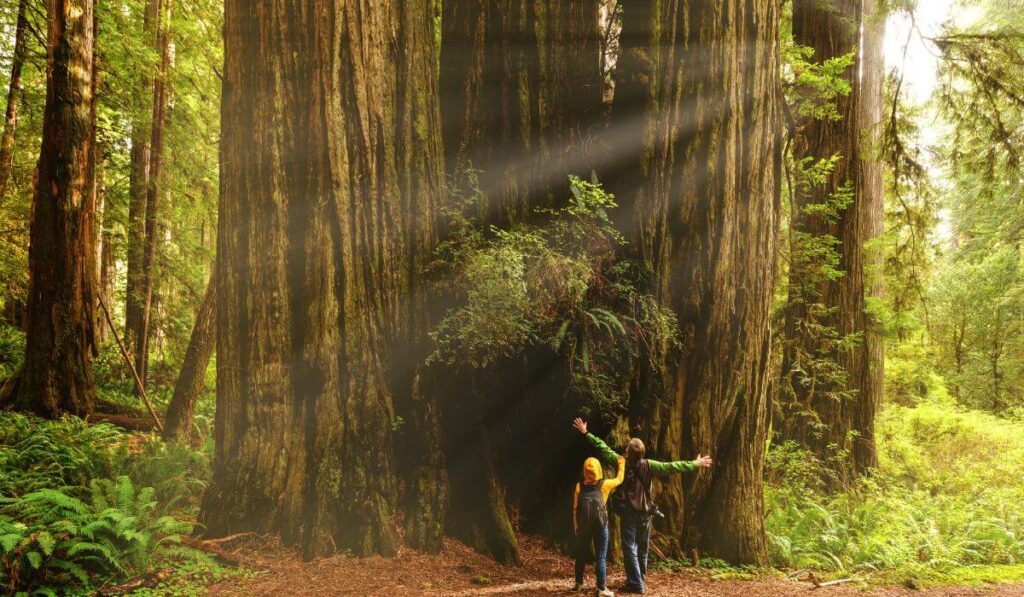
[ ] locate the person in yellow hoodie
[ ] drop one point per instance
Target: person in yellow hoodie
(590, 520)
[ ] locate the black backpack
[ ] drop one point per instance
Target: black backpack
(635, 481)
(590, 510)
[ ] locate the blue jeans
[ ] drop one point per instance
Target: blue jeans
(636, 537)
(598, 537)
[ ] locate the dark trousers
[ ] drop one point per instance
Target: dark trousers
(596, 537)
(636, 538)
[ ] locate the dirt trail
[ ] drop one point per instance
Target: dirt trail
(459, 571)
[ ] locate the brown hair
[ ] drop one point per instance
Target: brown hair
(635, 450)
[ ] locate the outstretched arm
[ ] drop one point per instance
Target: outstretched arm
(607, 454)
(663, 469)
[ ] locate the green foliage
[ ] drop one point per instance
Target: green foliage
(178, 473)
(86, 503)
(945, 497)
(977, 328)
(12, 350)
(561, 285)
(812, 259)
(63, 453)
(50, 538)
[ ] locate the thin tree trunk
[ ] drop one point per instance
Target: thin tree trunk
(13, 100)
(872, 188)
(154, 188)
(136, 313)
(191, 380)
(56, 376)
(697, 82)
(312, 263)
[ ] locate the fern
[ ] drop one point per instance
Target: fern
(67, 542)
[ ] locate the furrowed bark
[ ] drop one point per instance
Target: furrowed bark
(813, 416)
(56, 376)
(313, 257)
(522, 87)
(421, 179)
(522, 94)
(698, 81)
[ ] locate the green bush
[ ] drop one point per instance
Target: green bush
(52, 539)
(946, 495)
(12, 350)
(37, 455)
(177, 472)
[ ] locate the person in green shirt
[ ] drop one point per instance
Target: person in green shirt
(635, 519)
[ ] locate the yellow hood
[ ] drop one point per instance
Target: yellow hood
(592, 472)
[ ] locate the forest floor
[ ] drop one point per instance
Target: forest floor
(459, 571)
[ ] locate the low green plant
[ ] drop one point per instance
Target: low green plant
(68, 452)
(945, 498)
(12, 350)
(52, 539)
(177, 472)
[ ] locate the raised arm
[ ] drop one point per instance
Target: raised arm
(620, 475)
(607, 454)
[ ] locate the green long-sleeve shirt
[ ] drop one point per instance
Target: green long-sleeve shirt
(661, 469)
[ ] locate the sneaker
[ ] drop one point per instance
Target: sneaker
(605, 593)
(577, 587)
(633, 590)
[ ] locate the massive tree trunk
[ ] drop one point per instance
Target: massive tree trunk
(835, 412)
(421, 178)
(521, 85)
(191, 380)
(136, 310)
(522, 96)
(872, 188)
(699, 82)
(56, 376)
(13, 100)
(313, 258)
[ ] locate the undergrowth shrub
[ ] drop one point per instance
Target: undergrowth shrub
(177, 472)
(947, 494)
(37, 455)
(82, 504)
(12, 350)
(52, 539)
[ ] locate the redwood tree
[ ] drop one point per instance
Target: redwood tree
(13, 99)
(521, 87)
(56, 375)
(828, 412)
(136, 309)
(698, 82)
(314, 261)
(191, 380)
